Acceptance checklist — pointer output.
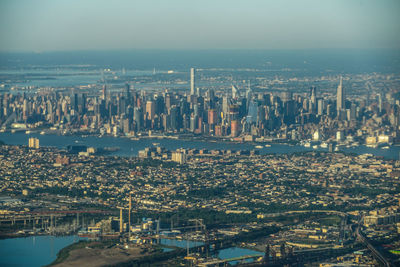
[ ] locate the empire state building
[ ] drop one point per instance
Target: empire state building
(340, 101)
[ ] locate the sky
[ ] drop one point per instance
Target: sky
(59, 25)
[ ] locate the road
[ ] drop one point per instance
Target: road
(378, 256)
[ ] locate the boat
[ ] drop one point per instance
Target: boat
(267, 145)
(307, 144)
(42, 132)
(324, 145)
(314, 146)
(385, 147)
(156, 144)
(259, 147)
(28, 132)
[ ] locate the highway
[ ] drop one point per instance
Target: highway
(378, 256)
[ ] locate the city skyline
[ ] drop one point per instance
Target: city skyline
(243, 115)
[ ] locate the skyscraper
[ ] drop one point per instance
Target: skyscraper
(128, 93)
(340, 101)
(234, 92)
(212, 116)
(234, 128)
(150, 110)
(313, 94)
(192, 81)
(104, 92)
(174, 113)
(137, 117)
(313, 102)
(252, 113)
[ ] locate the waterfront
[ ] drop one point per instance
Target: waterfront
(222, 254)
(42, 250)
(128, 147)
(34, 250)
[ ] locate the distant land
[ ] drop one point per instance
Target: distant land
(342, 60)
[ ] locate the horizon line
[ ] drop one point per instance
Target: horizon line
(192, 49)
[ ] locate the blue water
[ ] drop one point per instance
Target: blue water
(167, 249)
(131, 147)
(234, 252)
(33, 251)
(60, 77)
(227, 253)
(318, 60)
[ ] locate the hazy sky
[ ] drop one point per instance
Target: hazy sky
(47, 25)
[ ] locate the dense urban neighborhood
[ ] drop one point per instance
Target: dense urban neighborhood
(311, 199)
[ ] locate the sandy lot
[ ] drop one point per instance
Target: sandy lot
(99, 257)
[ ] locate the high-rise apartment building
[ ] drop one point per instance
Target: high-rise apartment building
(33, 143)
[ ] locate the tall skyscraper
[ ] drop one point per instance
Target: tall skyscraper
(380, 102)
(313, 102)
(128, 93)
(192, 81)
(252, 113)
(340, 102)
(313, 94)
(150, 110)
(234, 92)
(174, 113)
(74, 102)
(212, 116)
(104, 92)
(321, 106)
(137, 117)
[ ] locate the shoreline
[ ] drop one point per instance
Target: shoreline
(188, 137)
(126, 146)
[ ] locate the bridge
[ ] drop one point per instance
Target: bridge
(277, 214)
(27, 216)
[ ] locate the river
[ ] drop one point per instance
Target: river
(223, 254)
(128, 147)
(34, 250)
